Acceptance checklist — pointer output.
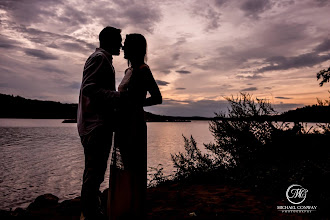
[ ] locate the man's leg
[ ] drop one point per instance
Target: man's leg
(96, 149)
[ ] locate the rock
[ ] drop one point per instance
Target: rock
(43, 201)
(4, 213)
(19, 212)
(69, 207)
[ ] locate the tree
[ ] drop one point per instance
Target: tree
(324, 74)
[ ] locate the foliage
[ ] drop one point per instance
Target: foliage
(193, 161)
(325, 128)
(157, 176)
(321, 102)
(324, 75)
(243, 139)
(253, 152)
(240, 138)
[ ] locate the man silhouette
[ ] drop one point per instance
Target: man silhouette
(95, 120)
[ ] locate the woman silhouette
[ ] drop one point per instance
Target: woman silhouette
(130, 148)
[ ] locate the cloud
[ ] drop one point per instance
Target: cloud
(270, 38)
(75, 46)
(168, 59)
(253, 8)
(183, 71)
(284, 63)
(249, 89)
(214, 42)
(280, 97)
(40, 54)
(3, 84)
(143, 16)
(137, 15)
(73, 17)
(52, 69)
(310, 59)
(162, 83)
(220, 3)
(204, 107)
(249, 76)
(75, 85)
(54, 40)
(209, 14)
(324, 46)
(43, 39)
(34, 11)
(68, 16)
(7, 43)
(322, 3)
(278, 32)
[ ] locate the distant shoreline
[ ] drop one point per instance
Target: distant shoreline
(190, 120)
(19, 107)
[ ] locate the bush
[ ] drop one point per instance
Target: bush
(157, 176)
(253, 151)
(246, 134)
(193, 161)
(241, 137)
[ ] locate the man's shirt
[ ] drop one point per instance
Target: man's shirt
(98, 96)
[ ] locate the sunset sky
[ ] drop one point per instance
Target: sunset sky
(198, 51)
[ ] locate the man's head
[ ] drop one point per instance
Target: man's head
(110, 40)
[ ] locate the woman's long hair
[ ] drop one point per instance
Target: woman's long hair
(138, 47)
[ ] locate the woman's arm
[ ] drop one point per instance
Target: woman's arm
(152, 87)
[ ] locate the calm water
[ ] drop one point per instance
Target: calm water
(41, 156)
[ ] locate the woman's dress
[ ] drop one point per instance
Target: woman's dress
(130, 154)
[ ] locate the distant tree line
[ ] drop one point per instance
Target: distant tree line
(314, 113)
(19, 107)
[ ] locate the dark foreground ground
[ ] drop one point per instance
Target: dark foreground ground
(175, 201)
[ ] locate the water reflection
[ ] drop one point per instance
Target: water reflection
(38, 160)
(46, 156)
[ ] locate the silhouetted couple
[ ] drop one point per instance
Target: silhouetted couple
(102, 110)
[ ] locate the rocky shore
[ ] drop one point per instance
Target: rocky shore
(171, 201)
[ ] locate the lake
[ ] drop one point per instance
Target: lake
(41, 156)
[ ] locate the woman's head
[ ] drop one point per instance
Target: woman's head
(135, 48)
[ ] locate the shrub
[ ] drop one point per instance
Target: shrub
(253, 151)
(241, 137)
(157, 176)
(246, 134)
